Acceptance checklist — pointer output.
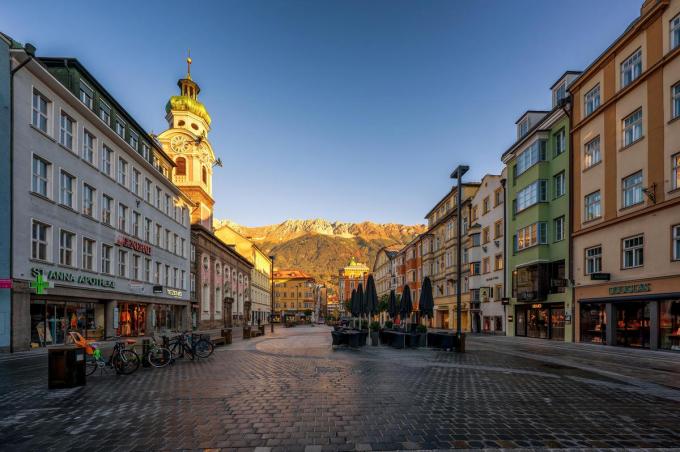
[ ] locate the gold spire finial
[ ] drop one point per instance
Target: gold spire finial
(189, 64)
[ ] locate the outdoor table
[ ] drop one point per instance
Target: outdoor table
(399, 339)
(441, 339)
(348, 337)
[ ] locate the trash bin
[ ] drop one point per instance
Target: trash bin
(226, 334)
(459, 344)
(65, 367)
(246, 332)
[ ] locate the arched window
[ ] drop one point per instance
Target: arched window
(204, 175)
(181, 169)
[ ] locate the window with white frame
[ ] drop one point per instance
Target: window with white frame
(593, 208)
(675, 238)
(147, 229)
(86, 95)
(41, 105)
(558, 226)
(88, 254)
(148, 193)
(89, 146)
(107, 160)
(632, 128)
(168, 238)
(66, 242)
(560, 92)
(633, 252)
(159, 232)
(122, 217)
(66, 129)
(167, 204)
(559, 184)
(593, 256)
(530, 156)
(167, 275)
(66, 186)
(675, 171)
(120, 128)
(159, 196)
(136, 267)
(104, 112)
(523, 127)
(157, 273)
(136, 219)
(134, 140)
(675, 101)
(122, 171)
(107, 206)
(532, 194)
(136, 181)
(40, 176)
(107, 252)
(531, 235)
(631, 68)
(631, 187)
(183, 251)
(146, 151)
(147, 269)
(560, 142)
(122, 263)
(675, 31)
(592, 152)
(89, 195)
(592, 99)
(40, 241)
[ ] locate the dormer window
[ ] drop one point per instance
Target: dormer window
(120, 128)
(86, 95)
(523, 127)
(559, 93)
(134, 140)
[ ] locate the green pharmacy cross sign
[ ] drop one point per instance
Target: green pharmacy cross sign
(40, 284)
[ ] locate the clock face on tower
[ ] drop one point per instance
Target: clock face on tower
(180, 144)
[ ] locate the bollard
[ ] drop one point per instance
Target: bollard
(146, 346)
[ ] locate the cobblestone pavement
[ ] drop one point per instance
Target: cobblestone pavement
(291, 391)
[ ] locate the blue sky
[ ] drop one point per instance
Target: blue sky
(352, 110)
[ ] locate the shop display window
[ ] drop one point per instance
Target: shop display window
(669, 325)
(594, 323)
(632, 324)
(51, 321)
(537, 323)
(557, 324)
(131, 319)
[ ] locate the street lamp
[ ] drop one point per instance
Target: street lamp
(458, 175)
(271, 297)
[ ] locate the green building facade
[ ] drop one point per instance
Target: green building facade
(537, 222)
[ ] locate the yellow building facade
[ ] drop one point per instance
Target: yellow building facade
(293, 295)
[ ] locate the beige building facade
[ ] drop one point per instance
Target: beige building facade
(626, 188)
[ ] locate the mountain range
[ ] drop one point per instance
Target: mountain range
(320, 247)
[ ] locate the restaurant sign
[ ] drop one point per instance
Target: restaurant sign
(85, 280)
(632, 288)
(134, 245)
(174, 292)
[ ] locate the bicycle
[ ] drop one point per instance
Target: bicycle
(123, 360)
(158, 356)
(181, 345)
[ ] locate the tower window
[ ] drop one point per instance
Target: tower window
(181, 169)
(194, 126)
(204, 175)
(180, 123)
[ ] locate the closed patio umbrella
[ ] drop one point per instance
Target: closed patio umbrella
(406, 303)
(371, 297)
(392, 305)
(361, 300)
(426, 304)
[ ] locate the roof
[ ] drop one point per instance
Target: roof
(291, 274)
(453, 190)
(199, 228)
(530, 132)
(70, 61)
(564, 75)
(530, 111)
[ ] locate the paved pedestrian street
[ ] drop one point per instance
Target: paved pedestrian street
(291, 391)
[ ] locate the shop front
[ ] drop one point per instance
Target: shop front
(52, 320)
(540, 320)
(630, 315)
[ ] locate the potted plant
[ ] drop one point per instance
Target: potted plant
(374, 328)
(422, 335)
(388, 325)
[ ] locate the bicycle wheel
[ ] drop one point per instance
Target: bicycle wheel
(91, 365)
(159, 357)
(175, 350)
(126, 362)
(204, 348)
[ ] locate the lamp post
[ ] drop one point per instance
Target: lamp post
(271, 296)
(458, 175)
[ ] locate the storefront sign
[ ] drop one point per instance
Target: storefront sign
(85, 280)
(5, 283)
(134, 245)
(157, 289)
(509, 318)
(505, 301)
(600, 276)
(536, 306)
(632, 288)
(174, 292)
(484, 293)
(40, 284)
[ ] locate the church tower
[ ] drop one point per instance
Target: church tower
(186, 142)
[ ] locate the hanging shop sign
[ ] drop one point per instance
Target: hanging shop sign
(484, 293)
(174, 293)
(134, 245)
(509, 318)
(157, 289)
(631, 288)
(505, 301)
(58, 275)
(5, 283)
(40, 284)
(600, 276)
(536, 306)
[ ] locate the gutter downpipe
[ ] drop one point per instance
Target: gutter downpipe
(570, 253)
(505, 257)
(29, 49)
